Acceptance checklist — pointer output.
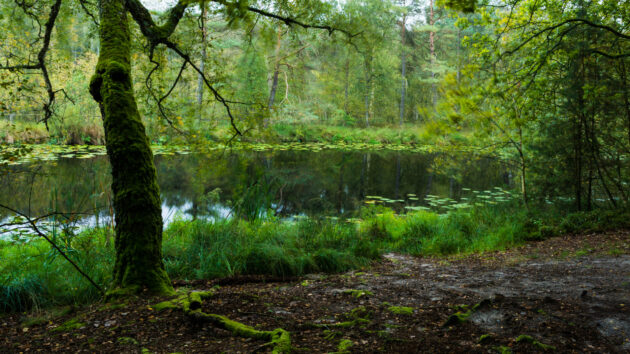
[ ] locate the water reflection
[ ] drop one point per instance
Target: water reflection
(250, 184)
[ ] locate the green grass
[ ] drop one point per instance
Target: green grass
(33, 276)
(341, 134)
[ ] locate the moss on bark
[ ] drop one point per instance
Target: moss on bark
(137, 204)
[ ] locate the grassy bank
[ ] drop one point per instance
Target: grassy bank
(74, 132)
(32, 275)
(393, 135)
(337, 134)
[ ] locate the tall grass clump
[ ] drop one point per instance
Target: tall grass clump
(203, 249)
(33, 275)
(474, 229)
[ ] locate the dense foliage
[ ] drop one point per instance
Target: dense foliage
(541, 84)
(545, 84)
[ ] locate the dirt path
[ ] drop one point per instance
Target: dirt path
(570, 293)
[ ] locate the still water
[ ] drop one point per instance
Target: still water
(251, 184)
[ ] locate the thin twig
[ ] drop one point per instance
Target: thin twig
(54, 245)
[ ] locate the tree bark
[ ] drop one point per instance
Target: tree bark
(622, 72)
(137, 204)
(368, 82)
(276, 71)
(432, 48)
(202, 64)
(403, 68)
(523, 167)
(346, 85)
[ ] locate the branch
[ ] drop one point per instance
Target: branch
(160, 35)
(154, 33)
(290, 21)
(87, 12)
(572, 20)
(54, 245)
(294, 53)
(41, 55)
(148, 83)
(216, 94)
(610, 56)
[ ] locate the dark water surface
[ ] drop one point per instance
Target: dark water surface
(287, 183)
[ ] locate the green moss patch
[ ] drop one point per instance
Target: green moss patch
(69, 325)
(127, 341)
(401, 310)
(358, 293)
(357, 317)
(524, 338)
(344, 346)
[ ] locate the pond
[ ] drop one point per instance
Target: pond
(251, 184)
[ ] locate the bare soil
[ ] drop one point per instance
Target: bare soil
(570, 292)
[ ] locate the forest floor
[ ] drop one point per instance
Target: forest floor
(570, 292)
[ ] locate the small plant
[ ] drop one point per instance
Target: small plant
(401, 310)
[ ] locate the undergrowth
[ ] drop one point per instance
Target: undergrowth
(34, 276)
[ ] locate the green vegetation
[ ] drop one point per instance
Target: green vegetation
(344, 346)
(35, 276)
(541, 87)
(69, 325)
(358, 293)
(524, 338)
(357, 317)
(190, 304)
(401, 310)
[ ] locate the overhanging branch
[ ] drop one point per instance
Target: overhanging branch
(41, 55)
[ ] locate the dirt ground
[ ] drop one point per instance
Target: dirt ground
(568, 294)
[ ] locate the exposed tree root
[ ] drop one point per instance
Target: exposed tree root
(190, 304)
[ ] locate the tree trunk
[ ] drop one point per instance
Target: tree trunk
(340, 189)
(346, 84)
(403, 68)
(626, 101)
(202, 64)
(276, 71)
(459, 43)
(137, 204)
(368, 82)
(397, 183)
(432, 48)
(523, 167)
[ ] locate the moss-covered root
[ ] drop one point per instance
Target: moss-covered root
(278, 339)
(192, 300)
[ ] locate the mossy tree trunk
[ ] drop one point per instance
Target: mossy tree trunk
(137, 204)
